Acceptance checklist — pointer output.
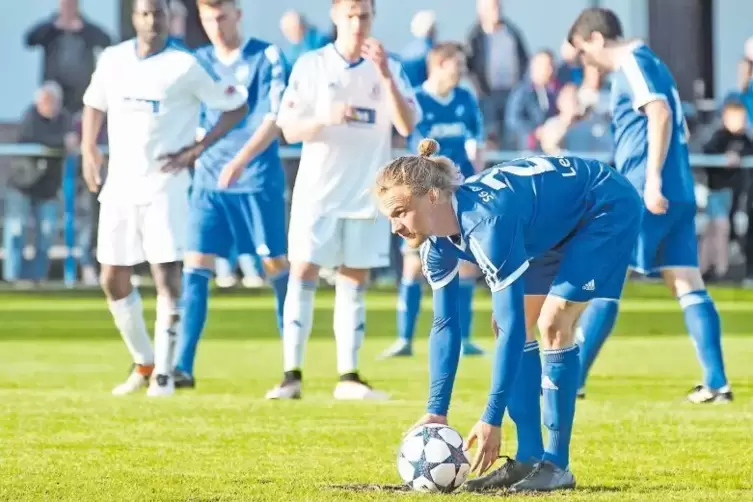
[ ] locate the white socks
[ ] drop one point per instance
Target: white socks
(166, 329)
(349, 323)
(128, 314)
(297, 319)
(222, 267)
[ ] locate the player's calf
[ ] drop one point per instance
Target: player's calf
(277, 270)
(167, 278)
(128, 313)
(561, 371)
(408, 307)
(704, 326)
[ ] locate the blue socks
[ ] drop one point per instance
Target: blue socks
(704, 326)
(280, 286)
(524, 406)
(596, 324)
(560, 386)
(465, 302)
(195, 304)
(408, 308)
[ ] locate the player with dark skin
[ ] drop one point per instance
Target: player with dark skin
(150, 20)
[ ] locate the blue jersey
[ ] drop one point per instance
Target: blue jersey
(260, 68)
(517, 211)
(641, 79)
(452, 121)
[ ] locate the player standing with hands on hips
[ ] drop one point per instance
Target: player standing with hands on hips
(151, 89)
(342, 102)
(651, 150)
(581, 211)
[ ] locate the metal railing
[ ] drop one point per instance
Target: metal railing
(70, 174)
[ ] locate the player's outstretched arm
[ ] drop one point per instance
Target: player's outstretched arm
(508, 308)
(444, 347)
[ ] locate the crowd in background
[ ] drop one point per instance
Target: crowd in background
(530, 100)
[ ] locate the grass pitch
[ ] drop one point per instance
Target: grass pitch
(63, 437)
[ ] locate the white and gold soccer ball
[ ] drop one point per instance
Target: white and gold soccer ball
(431, 459)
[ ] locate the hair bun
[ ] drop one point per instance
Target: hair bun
(428, 147)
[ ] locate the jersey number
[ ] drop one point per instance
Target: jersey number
(523, 167)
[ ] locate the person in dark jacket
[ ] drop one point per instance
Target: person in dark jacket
(69, 43)
(497, 61)
(732, 141)
(33, 186)
(532, 102)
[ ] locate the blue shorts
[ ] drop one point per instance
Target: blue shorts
(593, 262)
(667, 240)
(719, 204)
(252, 222)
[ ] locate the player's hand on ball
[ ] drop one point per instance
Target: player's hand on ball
(654, 199)
(182, 159)
(429, 419)
(373, 50)
(489, 439)
(92, 161)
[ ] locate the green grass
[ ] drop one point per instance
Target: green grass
(63, 437)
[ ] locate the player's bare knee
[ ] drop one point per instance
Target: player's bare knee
(356, 275)
(116, 282)
(468, 270)
(682, 281)
(554, 332)
(198, 260)
(167, 279)
(275, 266)
(303, 271)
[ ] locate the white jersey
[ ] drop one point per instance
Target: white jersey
(338, 167)
(153, 107)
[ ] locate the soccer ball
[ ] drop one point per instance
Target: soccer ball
(431, 459)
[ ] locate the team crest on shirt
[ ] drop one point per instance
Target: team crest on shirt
(429, 116)
(459, 111)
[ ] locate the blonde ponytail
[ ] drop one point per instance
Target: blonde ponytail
(421, 173)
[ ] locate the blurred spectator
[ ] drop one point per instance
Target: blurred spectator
(301, 36)
(569, 70)
(69, 42)
(532, 101)
(178, 19)
(573, 128)
(34, 183)
(594, 95)
(732, 141)
(496, 62)
(413, 56)
(745, 77)
(552, 132)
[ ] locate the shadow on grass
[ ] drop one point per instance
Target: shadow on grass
(369, 488)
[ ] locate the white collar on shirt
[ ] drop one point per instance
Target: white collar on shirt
(439, 99)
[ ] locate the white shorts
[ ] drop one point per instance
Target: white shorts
(330, 241)
(130, 234)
